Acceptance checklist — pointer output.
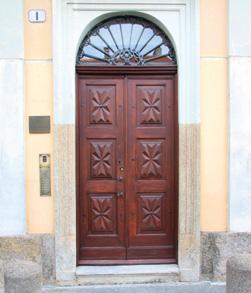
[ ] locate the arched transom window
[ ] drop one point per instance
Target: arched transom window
(126, 40)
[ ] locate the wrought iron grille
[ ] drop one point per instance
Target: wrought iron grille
(126, 40)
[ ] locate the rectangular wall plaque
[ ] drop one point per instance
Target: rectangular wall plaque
(45, 174)
(39, 124)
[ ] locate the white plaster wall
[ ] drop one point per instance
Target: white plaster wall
(240, 115)
(12, 191)
(11, 29)
(239, 28)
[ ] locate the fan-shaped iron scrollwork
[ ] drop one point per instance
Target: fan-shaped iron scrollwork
(126, 40)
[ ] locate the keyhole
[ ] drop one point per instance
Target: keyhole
(36, 16)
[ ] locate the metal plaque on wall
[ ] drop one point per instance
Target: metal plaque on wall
(45, 174)
(39, 124)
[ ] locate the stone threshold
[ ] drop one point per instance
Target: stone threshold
(124, 274)
(199, 287)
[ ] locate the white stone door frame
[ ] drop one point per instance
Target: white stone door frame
(72, 19)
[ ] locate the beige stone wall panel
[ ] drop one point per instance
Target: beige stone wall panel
(217, 248)
(38, 248)
(189, 198)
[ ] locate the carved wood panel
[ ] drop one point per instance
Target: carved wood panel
(102, 211)
(150, 208)
(101, 104)
(149, 105)
(150, 156)
(102, 163)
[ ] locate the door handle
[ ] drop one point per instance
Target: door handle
(120, 193)
(119, 178)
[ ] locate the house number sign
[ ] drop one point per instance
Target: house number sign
(37, 15)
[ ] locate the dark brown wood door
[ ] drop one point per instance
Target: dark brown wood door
(126, 170)
(151, 161)
(101, 154)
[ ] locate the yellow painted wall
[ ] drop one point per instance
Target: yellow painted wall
(214, 109)
(39, 101)
(38, 36)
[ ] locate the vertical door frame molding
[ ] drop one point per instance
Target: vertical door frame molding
(179, 20)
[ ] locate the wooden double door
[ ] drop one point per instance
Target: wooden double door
(127, 203)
